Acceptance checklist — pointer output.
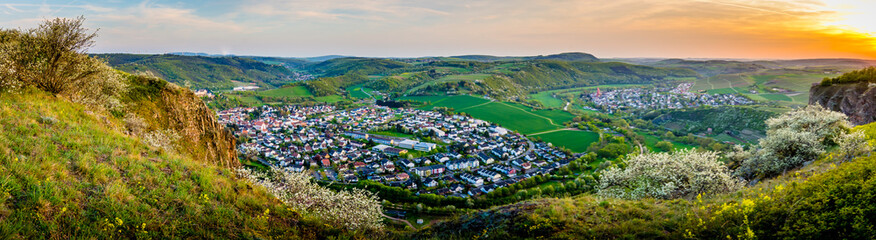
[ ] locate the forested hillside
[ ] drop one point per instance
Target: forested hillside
(198, 72)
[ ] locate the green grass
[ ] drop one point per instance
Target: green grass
(721, 91)
(392, 134)
(457, 102)
(330, 98)
(547, 100)
(79, 177)
(777, 97)
(512, 118)
(577, 141)
(358, 91)
(296, 91)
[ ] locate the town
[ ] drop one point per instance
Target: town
(628, 99)
(423, 151)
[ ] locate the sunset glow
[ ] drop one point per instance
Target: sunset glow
(617, 28)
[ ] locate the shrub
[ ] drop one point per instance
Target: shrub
(355, 209)
(793, 139)
(685, 173)
(52, 57)
(163, 139)
(664, 146)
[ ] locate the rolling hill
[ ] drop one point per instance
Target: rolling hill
(215, 73)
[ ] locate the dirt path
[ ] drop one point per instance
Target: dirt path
(399, 220)
(475, 105)
(555, 130)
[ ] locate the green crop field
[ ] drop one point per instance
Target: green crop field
(457, 102)
(512, 118)
(547, 99)
(330, 98)
(296, 91)
(777, 97)
(577, 141)
(358, 91)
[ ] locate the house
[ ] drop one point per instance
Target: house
(424, 146)
(325, 162)
(429, 182)
(472, 179)
(463, 164)
(486, 158)
(509, 171)
(406, 163)
(402, 176)
(490, 175)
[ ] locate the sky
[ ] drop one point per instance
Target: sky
(745, 29)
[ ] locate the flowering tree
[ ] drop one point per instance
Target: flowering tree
(685, 173)
(800, 136)
(356, 209)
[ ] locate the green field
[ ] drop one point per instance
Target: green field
(358, 91)
(547, 99)
(451, 78)
(296, 91)
(392, 134)
(777, 97)
(457, 102)
(574, 140)
(513, 116)
(651, 140)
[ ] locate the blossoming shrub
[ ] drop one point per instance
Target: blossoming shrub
(685, 173)
(795, 138)
(355, 209)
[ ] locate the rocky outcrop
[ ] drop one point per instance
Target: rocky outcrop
(857, 100)
(167, 106)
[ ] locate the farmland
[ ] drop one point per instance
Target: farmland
(574, 140)
(785, 85)
(296, 91)
(509, 115)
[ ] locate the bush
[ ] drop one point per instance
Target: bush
(52, 57)
(685, 173)
(664, 146)
(355, 209)
(793, 139)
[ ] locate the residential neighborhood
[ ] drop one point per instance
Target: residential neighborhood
(423, 151)
(626, 99)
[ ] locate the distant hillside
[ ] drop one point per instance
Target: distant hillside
(362, 66)
(711, 67)
(550, 74)
(572, 56)
(202, 72)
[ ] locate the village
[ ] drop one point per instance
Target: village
(628, 99)
(423, 151)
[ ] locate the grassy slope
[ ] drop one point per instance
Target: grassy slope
(79, 177)
(825, 200)
(577, 141)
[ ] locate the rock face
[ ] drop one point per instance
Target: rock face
(858, 101)
(167, 106)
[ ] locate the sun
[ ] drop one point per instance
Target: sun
(854, 15)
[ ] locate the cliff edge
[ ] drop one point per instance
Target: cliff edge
(856, 100)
